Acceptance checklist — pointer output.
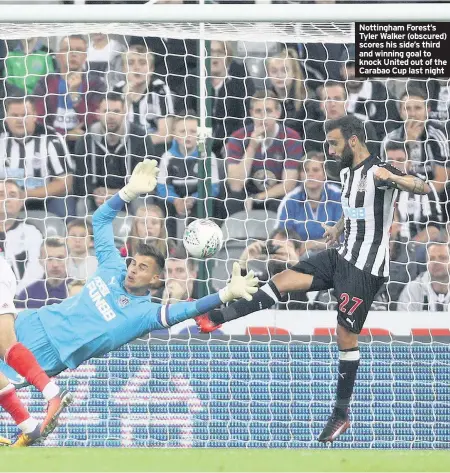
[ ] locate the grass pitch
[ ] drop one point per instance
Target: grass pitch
(223, 460)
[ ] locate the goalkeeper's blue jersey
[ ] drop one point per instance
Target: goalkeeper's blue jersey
(103, 316)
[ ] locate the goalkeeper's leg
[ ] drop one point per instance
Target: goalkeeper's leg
(30, 427)
(22, 360)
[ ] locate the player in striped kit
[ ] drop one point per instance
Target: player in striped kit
(356, 270)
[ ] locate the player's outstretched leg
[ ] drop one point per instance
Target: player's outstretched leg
(18, 357)
(339, 420)
(264, 298)
(30, 427)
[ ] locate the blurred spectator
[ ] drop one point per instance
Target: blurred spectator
(332, 97)
(310, 205)
(438, 98)
(38, 157)
(417, 217)
(110, 151)
(80, 264)
(27, 63)
(262, 159)
(178, 180)
(180, 278)
(285, 79)
(281, 249)
(430, 290)
(232, 88)
(177, 64)
(52, 289)
(368, 100)
(425, 141)
(148, 227)
(67, 101)
(75, 287)
(19, 242)
(149, 99)
(104, 57)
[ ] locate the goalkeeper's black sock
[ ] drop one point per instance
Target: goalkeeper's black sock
(348, 367)
(264, 298)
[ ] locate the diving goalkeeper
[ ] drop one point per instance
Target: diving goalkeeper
(113, 308)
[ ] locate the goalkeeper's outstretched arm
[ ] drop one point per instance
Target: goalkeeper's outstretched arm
(238, 287)
(142, 181)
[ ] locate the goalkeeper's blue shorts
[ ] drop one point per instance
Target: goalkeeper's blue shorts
(31, 333)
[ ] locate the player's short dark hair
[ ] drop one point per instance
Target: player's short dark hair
(289, 234)
(265, 95)
(394, 146)
(114, 97)
(349, 126)
(18, 99)
(414, 91)
(74, 36)
(79, 222)
(144, 249)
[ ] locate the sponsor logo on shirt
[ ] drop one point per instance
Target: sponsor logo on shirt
(123, 301)
(358, 213)
(97, 291)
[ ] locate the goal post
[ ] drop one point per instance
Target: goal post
(216, 13)
(266, 380)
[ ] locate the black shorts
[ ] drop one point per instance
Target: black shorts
(355, 289)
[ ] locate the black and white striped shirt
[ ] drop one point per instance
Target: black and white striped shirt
(429, 150)
(368, 214)
(34, 158)
(157, 103)
(417, 212)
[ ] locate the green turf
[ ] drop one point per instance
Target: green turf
(202, 460)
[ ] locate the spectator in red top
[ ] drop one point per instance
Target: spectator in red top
(67, 101)
(262, 159)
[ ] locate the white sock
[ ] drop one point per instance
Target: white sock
(50, 391)
(27, 426)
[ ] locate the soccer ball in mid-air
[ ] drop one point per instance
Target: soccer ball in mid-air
(202, 238)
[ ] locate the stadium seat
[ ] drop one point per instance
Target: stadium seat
(256, 224)
(47, 223)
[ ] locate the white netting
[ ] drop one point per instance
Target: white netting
(266, 380)
(306, 32)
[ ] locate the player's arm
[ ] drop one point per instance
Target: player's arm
(332, 233)
(390, 177)
(238, 287)
(142, 181)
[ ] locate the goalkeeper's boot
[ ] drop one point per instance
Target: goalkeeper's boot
(26, 440)
(5, 442)
(337, 424)
(55, 408)
(205, 324)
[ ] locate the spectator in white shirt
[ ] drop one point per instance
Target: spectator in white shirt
(19, 242)
(80, 264)
(104, 56)
(430, 291)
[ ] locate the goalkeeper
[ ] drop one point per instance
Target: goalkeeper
(114, 307)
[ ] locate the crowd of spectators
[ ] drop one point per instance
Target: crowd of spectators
(77, 118)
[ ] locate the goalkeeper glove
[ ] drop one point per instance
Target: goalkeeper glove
(142, 181)
(239, 286)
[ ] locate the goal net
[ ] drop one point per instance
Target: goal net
(84, 99)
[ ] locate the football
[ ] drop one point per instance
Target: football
(202, 238)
